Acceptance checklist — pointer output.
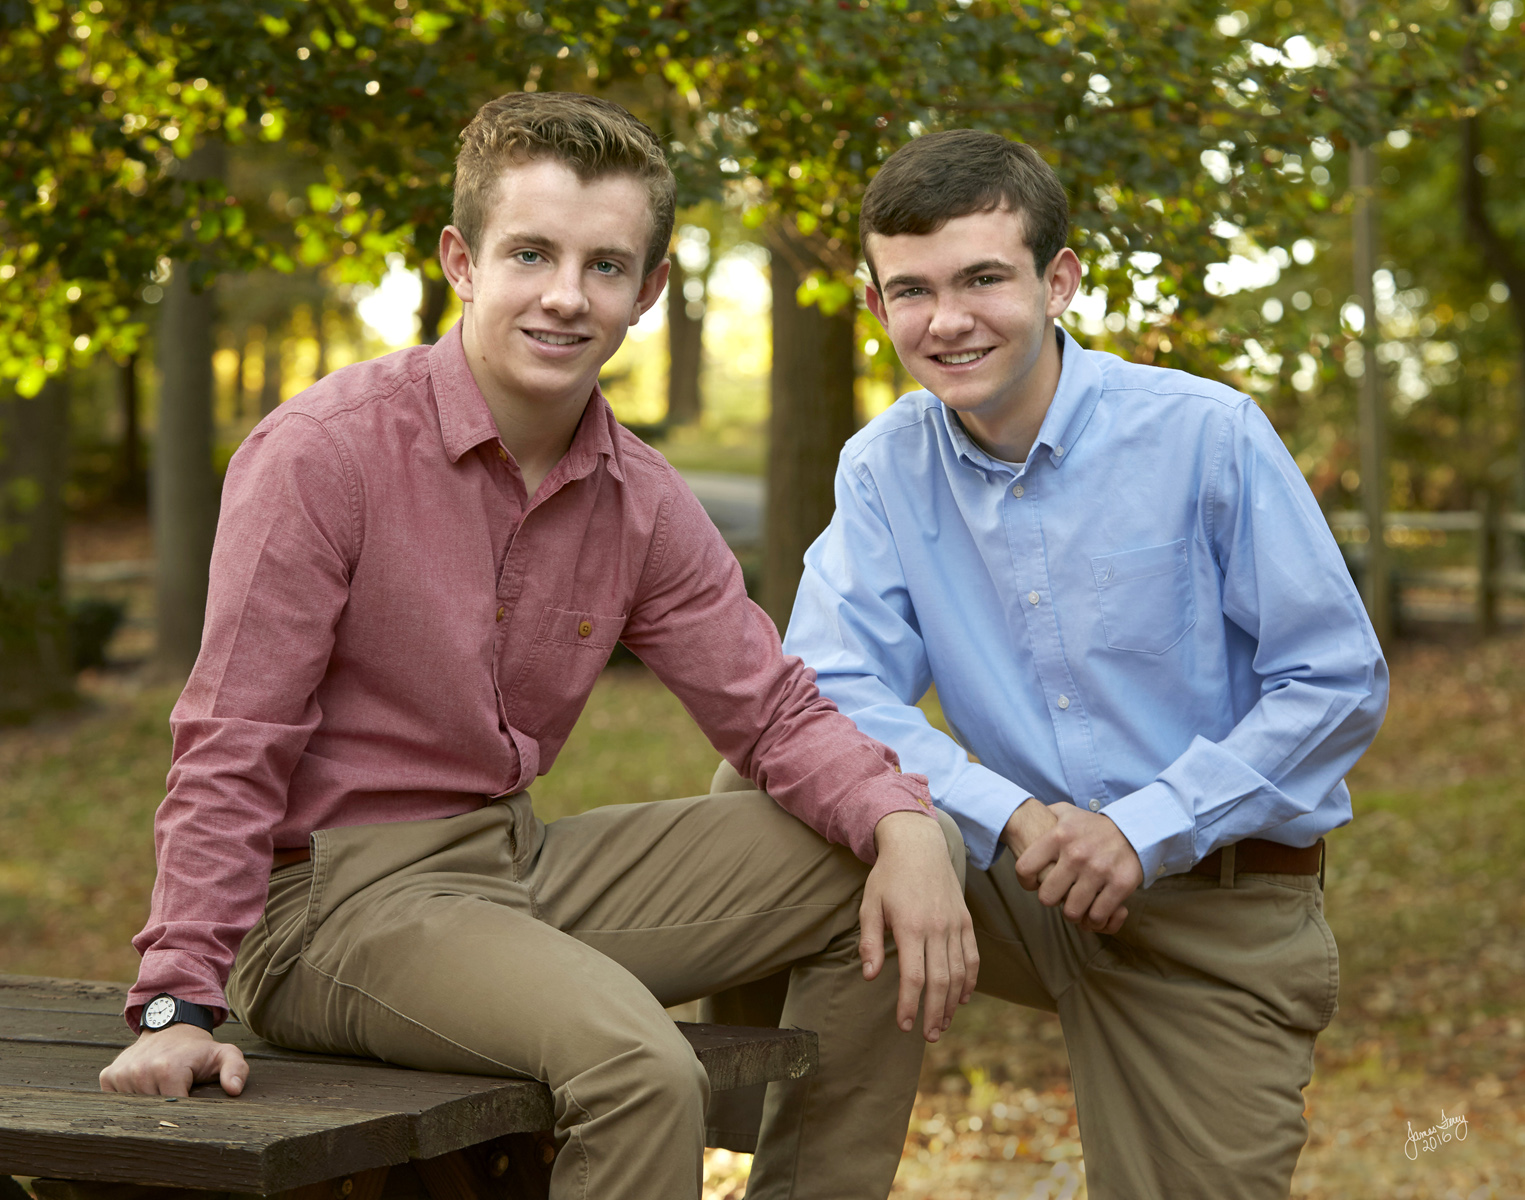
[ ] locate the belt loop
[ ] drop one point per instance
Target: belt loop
(1226, 868)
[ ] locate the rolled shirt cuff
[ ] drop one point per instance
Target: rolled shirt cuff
(184, 976)
(873, 800)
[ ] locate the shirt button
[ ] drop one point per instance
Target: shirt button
(1058, 451)
(503, 454)
(1017, 491)
(1033, 597)
(499, 617)
(1064, 701)
(585, 629)
(1095, 804)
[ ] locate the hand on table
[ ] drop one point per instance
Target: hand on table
(915, 894)
(172, 1061)
(1077, 858)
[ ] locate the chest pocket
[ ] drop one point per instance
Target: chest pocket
(570, 649)
(1146, 600)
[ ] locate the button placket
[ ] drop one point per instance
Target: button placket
(1072, 729)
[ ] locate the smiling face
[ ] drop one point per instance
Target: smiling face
(555, 283)
(973, 320)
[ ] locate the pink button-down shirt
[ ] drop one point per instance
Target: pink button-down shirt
(395, 632)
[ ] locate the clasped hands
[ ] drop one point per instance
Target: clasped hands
(1076, 858)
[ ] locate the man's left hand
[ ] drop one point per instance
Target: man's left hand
(914, 893)
(1085, 862)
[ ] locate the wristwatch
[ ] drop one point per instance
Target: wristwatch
(164, 1010)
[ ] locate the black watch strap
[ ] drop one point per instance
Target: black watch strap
(165, 1010)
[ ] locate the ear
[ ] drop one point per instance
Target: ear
(875, 303)
(455, 261)
(1063, 280)
(651, 289)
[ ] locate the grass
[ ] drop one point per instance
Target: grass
(1425, 896)
(735, 449)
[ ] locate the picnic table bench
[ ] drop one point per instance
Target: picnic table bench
(307, 1127)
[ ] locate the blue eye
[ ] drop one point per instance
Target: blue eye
(528, 257)
(605, 267)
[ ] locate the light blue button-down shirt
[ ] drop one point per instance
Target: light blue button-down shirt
(1148, 618)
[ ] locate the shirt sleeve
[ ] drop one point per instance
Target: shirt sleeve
(720, 655)
(853, 622)
(286, 538)
(1321, 675)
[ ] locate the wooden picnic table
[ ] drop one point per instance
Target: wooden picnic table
(307, 1127)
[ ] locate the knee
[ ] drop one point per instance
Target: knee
(675, 1072)
(660, 1074)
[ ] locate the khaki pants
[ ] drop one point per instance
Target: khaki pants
(492, 943)
(1190, 1033)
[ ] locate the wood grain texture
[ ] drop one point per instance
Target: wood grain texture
(194, 1143)
(303, 1118)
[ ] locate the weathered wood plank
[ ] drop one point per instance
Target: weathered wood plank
(737, 1055)
(194, 1143)
(443, 1112)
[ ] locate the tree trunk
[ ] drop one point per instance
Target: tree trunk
(184, 496)
(812, 415)
(1504, 257)
(35, 668)
(270, 383)
(130, 483)
(431, 309)
(685, 346)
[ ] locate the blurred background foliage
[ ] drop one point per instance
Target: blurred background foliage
(199, 202)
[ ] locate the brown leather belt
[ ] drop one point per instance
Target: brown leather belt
(1259, 855)
(287, 858)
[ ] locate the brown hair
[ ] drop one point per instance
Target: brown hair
(594, 137)
(939, 176)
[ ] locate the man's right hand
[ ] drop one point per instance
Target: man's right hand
(172, 1061)
(1034, 822)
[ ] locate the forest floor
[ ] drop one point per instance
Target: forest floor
(1425, 896)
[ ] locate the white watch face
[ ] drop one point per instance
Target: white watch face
(159, 1013)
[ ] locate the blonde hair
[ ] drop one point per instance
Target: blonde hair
(594, 137)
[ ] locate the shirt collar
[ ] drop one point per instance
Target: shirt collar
(1074, 401)
(466, 421)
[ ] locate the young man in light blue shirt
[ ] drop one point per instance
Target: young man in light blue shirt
(1154, 662)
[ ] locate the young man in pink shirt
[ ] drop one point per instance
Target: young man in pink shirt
(421, 567)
